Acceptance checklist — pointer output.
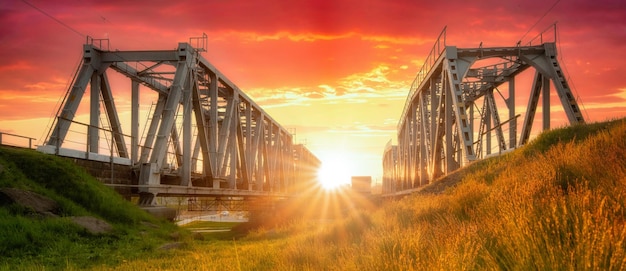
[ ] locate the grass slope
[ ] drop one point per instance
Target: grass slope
(559, 203)
(29, 241)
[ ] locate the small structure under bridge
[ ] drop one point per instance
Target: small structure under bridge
(456, 113)
(202, 135)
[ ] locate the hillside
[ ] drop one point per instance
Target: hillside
(32, 238)
(570, 135)
(558, 203)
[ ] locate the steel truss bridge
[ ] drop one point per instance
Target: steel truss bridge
(453, 113)
(202, 137)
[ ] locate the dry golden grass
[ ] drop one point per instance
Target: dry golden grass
(560, 207)
(557, 204)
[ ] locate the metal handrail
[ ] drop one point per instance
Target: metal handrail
(430, 61)
(546, 32)
(30, 139)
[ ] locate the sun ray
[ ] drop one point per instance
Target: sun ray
(335, 171)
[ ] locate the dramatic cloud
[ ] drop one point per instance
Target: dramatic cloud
(339, 71)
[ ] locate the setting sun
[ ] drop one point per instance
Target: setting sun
(335, 171)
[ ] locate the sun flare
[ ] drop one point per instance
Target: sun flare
(335, 171)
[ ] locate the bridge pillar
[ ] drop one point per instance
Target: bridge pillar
(147, 199)
(149, 176)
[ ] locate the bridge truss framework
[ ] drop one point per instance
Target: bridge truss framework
(452, 111)
(222, 142)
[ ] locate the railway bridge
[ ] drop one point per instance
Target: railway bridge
(467, 104)
(202, 136)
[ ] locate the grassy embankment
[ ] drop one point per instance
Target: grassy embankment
(32, 241)
(559, 203)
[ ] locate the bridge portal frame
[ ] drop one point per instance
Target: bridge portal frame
(436, 131)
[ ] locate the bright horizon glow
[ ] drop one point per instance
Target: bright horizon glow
(339, 80)
(336, 170)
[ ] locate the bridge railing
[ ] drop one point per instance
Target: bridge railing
(429, 62)
(547, 35)
(14, 140)
(100, 43)
(78, 139)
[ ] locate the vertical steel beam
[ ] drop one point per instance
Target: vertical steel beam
(134, 122)
(262, 149)
(94, 115)
(413, 144)
(272, 155)
(435, 84)
(423, 152)
(267, 144)
(471, 117)
(242, 166)
(425, 144)
(546, 103)
(185, 173)
(195, 156)
(203, 129)
(404, 156)
(232, 143)
(456, 68)
(249, 152)
(513, 123)
(449, 126)
(437, 145)
(175, 144)
(213, 123)
(487, 119)
(256, 157)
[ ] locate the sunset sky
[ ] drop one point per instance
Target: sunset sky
(338, 72)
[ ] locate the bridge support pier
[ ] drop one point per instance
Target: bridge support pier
(216, 183)
(147, 199)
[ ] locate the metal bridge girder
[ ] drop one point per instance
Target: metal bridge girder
(71, 103)
(457, 67)
(238, 146)
(171, 104)
(547, 64)
(436, 130)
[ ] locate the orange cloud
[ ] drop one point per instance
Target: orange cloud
(316, 65)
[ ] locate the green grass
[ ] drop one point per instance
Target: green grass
(559, 203)
(30, 241)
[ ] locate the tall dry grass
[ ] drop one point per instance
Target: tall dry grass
(556, 204)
